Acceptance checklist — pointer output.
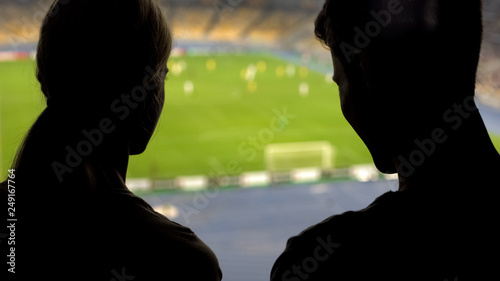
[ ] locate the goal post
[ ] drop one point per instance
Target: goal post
(290, 156)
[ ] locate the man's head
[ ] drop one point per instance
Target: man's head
(399, 64)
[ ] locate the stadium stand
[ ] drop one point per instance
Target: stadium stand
(488, 78)
(20, 21)
(282, 24)
(227, 30)
(190, 23)
(276, 24)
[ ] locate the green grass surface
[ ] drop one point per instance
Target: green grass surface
(496, 141)
(208, 131)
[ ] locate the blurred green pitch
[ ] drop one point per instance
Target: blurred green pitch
(216, 110)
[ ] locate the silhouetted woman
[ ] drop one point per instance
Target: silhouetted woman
(101, 65)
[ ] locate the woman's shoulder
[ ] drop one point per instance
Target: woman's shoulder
(123, 205)
(132, 214)
(150, 231)
(120, 211)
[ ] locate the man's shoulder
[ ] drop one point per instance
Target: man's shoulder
(351, 224)
(342, 242)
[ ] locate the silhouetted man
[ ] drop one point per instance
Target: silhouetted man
(406, 74)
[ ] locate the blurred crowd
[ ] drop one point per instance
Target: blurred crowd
(221, 20)
(488, 77)
(278, 23)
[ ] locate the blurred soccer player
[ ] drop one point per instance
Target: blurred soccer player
(406, 74)
(101, 65)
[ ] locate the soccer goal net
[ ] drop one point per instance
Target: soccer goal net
(290, 156)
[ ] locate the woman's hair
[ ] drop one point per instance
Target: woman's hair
(91, 53)
(100, 44)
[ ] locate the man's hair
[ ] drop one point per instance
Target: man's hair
(444, 31)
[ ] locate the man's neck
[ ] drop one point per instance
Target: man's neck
(459, 157)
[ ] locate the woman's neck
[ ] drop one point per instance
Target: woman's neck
(114, 156)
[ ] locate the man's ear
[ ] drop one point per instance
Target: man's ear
(360, 65)
(357, 56)
(350, 62)
(359, 62)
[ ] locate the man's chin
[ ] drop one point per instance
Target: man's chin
(386, 170)
(384, 164)
(137, 149)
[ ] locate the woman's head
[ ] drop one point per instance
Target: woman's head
(92, 52)
(98, 62)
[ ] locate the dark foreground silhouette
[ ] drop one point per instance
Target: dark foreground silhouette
(406, 74)
(101, 65)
